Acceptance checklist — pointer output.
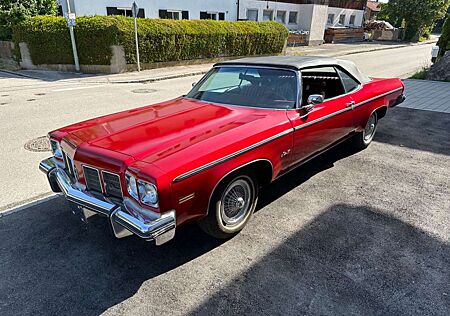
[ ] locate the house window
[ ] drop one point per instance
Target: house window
(212, 15)
(124, 12)
(330, 20)
(267, 15)
(174, 14)
(342, 19)
(352, 20)
(252, 15)
(293, 17)
(281, 17)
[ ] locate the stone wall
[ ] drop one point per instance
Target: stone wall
(7, 53)
(118, 62)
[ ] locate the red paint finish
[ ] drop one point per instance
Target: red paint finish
(161, 142)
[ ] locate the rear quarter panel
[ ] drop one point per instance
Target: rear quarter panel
(374, 95)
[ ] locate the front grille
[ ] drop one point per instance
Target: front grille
(68, 165)
(92, 178)
(112, 184)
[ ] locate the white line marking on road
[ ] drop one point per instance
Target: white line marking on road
(77, 88)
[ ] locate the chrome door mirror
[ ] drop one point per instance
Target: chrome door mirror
(312, 101)
(315, 99)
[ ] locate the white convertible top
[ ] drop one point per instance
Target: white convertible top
(299, 63)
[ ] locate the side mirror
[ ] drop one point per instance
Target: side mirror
(194, 84)
(315, 99)
(312, 101)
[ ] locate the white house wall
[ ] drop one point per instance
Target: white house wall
(246, 5)
(359, 15)
(152, 7)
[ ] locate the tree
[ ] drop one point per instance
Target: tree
(418, 16)
(14, 11)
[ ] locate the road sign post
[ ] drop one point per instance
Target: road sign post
(71, 22)
(135, 11)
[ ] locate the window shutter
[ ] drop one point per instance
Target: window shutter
(185, 15)
(163, 14)
(203, 15)
(221, 16)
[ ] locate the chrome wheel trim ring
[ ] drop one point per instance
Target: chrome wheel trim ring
(236, 203)
(370, 129)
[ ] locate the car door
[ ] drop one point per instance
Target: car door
(327, 122)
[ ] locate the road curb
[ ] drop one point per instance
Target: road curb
(11, 209)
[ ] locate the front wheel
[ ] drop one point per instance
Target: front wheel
(231, 207)
(363, 139)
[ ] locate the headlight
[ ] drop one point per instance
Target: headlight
(56, 149)
(131, 186)
(148, 193)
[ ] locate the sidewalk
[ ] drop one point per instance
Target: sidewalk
(151, 75)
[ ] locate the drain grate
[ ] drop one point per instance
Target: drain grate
(40, 144)
(144, 91)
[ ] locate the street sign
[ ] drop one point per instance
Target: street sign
(71, 19)
(135, 10)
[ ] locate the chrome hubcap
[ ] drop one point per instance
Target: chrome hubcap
(370, 128)
(235, 202)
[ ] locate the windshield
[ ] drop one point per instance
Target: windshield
(247, 86)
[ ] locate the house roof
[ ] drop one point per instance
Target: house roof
(374, 6)
(298, 63)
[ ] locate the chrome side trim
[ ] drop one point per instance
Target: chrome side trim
(323, 118)
(377, 97)
(230, 156)
(186, 198)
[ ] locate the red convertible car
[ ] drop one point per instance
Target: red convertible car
(203, 156)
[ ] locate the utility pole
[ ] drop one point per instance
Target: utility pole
(135, 12)
(71, 22)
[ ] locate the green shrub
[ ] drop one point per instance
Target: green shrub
(159, 40)
(444, 40)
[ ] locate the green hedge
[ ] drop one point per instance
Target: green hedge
(444, 40)
(48, 39)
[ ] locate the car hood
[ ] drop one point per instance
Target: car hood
(152, 133)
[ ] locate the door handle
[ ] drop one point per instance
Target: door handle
(350, 104)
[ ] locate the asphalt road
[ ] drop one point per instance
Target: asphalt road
(363, 233)
(31, 108)
(350, 233)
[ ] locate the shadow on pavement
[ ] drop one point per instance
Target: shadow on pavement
(416, 129)
(44, 75)
(347, 261)
(52, 263)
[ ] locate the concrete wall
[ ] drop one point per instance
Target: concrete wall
(98, 7)
(318, 21)
(359, 15)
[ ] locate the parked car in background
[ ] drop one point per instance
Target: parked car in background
(203, 157)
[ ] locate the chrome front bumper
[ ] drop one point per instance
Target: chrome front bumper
(158, 227)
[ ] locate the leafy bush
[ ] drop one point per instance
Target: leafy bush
(159, 40)
(444, 40)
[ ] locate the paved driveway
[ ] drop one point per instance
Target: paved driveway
(363, 233)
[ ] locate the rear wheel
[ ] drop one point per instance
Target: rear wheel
(231, 207)
(363, 139)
